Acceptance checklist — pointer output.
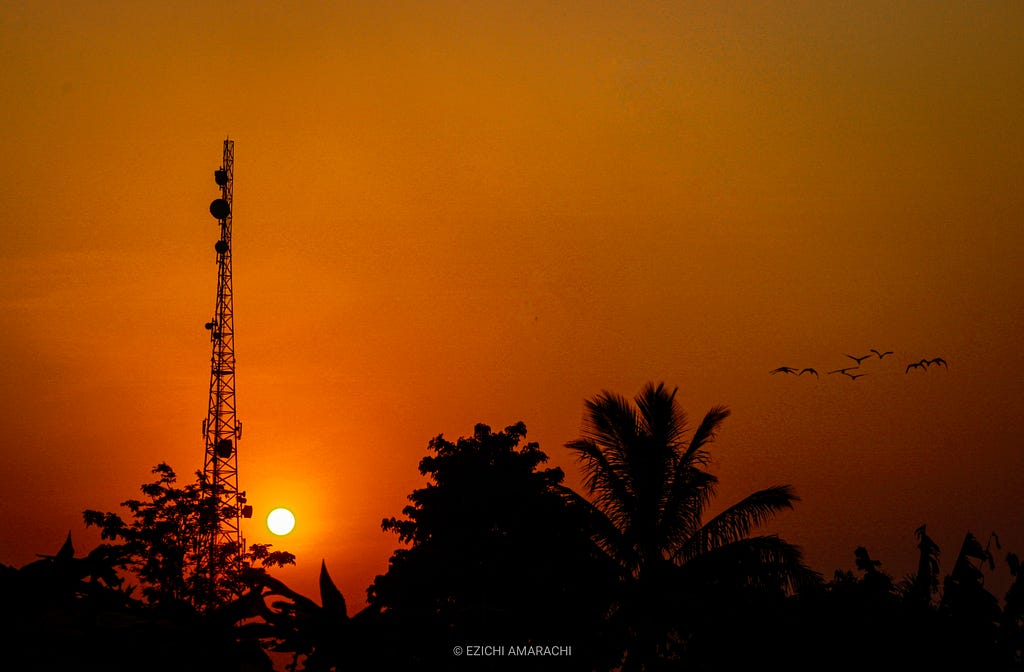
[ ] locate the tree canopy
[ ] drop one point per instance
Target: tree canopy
(160, 545)
(497, 553)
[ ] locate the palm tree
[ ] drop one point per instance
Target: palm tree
(649, 492)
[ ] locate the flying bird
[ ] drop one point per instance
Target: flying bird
(808, 370)
(858, 359)
(784, 369)
(925, 363)
(855, 376)
(917, 365)
(849, 368)
(881, 355)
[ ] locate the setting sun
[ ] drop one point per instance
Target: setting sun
(280, 521)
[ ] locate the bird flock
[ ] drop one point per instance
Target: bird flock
(856, 371)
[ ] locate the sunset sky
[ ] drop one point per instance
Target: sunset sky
(448, 213)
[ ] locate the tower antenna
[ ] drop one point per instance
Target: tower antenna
(221, 428)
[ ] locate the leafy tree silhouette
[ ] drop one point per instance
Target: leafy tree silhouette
(497, 555)
(650, 492)
(179, 620)
(160, 546)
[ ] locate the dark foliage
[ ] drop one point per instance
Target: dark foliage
(681, 572)
(497, 556)
(498, 552)
(63, 613)
(159, 546)
(868, 621)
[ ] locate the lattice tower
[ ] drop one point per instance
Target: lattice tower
(221, 428)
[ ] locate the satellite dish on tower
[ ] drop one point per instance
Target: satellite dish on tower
(220, 209)
(221, 176)
(224, 448)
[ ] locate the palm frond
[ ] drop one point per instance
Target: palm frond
(736, 522)
(762, 561)
(607, 535)
(611, 422)
(661, 418)
(611, 494)
(692, 488)
(696, 452)
(691, 492)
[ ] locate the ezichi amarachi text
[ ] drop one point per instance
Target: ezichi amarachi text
(525, 650)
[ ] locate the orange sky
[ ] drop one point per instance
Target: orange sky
(458, 212)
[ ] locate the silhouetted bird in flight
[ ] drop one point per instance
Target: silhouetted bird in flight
(858, 359)
(917, 365)
(849, 368)
(855, 376)
(881, 355)
(925, 363)
(784, 369)
(808, 370)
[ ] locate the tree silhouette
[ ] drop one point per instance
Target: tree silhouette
(500, 552)
(49, 603)
(650, 492)
(63, 612)
(181, 619)
(161, 543)
(497, 555)
(865, 621)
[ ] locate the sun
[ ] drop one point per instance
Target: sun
(280, 521)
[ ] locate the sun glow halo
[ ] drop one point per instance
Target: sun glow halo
(280, 521)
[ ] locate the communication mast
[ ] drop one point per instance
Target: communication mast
(221, 428)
